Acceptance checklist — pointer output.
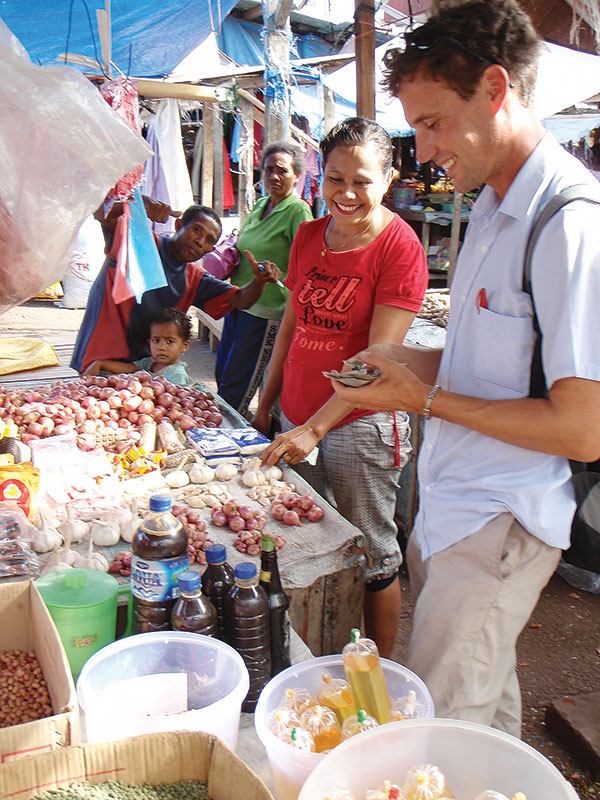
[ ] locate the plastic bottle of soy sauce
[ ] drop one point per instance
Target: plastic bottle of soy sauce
(192, 612)
(159, 554)
(217, 582)
(247, 628)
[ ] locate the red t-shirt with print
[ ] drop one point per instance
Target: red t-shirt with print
(334, 295)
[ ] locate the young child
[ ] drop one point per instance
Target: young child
(170, 334)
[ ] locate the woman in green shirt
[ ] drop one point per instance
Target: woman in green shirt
(267, 232)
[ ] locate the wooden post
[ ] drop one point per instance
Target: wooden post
(246, 162)
(364, 48)
(206, 191)
(328, 108)
(218, 160)
(276, 20)
(455, 233)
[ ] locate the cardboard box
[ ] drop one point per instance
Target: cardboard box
(25, 624)
(153, 758)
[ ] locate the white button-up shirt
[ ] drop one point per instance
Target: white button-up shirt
(468, 478)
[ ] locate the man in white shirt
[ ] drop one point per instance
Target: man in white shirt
(496, 500)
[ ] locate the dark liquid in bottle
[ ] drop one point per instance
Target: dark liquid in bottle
(279, 604)
(247, 630)
(217, 582)
(192, 612)
(159, 554)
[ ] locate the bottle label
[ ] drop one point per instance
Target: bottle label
(154, 581)
(265, 576)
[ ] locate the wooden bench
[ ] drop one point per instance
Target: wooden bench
(209, 328)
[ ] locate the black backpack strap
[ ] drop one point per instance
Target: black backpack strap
(583, 191)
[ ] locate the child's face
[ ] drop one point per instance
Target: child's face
(166, 344)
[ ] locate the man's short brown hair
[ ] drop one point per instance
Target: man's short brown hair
(460, 39)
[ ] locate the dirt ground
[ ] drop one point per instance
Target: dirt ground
(559, 650)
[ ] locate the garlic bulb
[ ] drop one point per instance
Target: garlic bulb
(273, 473)
(46, 538)
(198, 502)
(177, 479)
(104, 534)
(129, 529)
(201, 473)
(253, 477)
(225, 472)
(121, 516)
(54, 563)
(253, 462)
(74, 530)
(90, 559)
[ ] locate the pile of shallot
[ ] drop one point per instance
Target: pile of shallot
(92, 404)
(246, 522)
(291, 508)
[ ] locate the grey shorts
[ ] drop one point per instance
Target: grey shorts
(355, 472)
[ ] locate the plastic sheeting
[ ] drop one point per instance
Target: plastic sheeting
(161, 32)
(61, 148)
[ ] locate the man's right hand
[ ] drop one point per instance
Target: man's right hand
(93, 369)
(158, 211)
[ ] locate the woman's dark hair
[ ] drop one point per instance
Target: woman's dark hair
(175, 316)
(290, 149)
(359, 131)
(460, 40)
(190, 214)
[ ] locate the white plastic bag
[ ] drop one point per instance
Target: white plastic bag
(84, 265)
(61, 148)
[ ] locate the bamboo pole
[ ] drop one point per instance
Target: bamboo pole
(179, 91)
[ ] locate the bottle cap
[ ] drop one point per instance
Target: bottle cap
(215, 553)
(354, 635)
(267, 544)
(160, 502)
(361, 715)
(246, 571)
(189, 581)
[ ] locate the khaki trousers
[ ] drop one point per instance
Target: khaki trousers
(472, 601)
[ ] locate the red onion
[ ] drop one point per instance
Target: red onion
(101, 381)
(157, 387)
(291, 518)
(252, 524)
(236, 523)
(134, 386)
(315, 513)
(143, 376)
(278, 510)
(114, 401)
(174, 414)
(246, 512)
(125, 394)
(219, 518)
(165, 400)
(35, 429)
(147, 393)
(104, 406)
(133, 416)
(132, 403)
(306, 502)
(230, 507)
(215, 418)
(186, 422)
(88, 402)
(121, 383)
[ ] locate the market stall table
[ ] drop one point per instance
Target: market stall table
(427, 219)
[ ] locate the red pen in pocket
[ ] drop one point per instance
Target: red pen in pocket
(481, 301)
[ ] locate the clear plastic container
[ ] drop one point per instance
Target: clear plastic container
(163, 681)
(472, 757)
(289, 767)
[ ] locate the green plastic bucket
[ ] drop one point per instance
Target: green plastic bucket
(83, 605)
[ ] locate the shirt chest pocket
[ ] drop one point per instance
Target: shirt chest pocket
(502, 349)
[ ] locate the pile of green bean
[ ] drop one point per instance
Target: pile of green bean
(117, 790)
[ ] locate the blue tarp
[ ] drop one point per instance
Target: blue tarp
(242, 42)
(161, 32)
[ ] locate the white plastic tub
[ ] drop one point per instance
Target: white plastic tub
(472, 757)
(163, 682)
(290, 767)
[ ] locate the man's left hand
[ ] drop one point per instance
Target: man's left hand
(157, 211)
(264, 271)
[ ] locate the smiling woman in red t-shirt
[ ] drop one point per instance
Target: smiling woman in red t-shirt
(356, 277)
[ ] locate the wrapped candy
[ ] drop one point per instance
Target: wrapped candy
(365, 676)
(283, 720)
(426, 782)
(388, 791)
(300, 739)
(323, 725)
(298, 699)
(357, 723)
(336, 694)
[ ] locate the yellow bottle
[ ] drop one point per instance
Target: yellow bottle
(365, 676)
(336, 694)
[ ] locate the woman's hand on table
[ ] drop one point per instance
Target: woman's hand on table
(292, 446)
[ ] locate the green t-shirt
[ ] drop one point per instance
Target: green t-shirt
(269, 239)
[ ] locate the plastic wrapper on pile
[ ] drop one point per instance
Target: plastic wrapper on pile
(17, 559)
(62, 148)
